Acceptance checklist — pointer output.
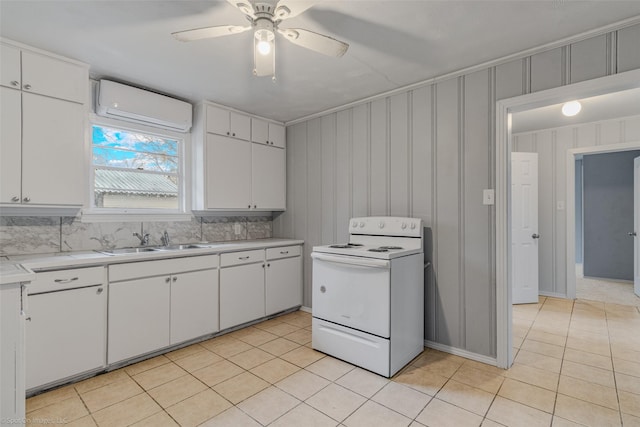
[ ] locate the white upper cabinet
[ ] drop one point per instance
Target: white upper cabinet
(42, 124)
(268, 133)
(237, 171)
(229, 123)
(10, 66)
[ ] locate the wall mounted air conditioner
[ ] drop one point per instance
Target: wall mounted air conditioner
(131, 104)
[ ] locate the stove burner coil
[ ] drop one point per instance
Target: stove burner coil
(378, 250)
(390, 247)
(341, 246)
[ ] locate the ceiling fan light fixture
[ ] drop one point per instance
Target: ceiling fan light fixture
(264, 38)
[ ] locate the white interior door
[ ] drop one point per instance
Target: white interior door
(524, 227)
(636, 225)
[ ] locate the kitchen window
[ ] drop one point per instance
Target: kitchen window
(135, 171)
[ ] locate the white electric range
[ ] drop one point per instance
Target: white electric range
(368, 294)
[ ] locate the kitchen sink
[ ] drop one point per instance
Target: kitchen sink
(121, 251)
(180, 247)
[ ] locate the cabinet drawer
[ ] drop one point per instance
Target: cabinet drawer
(245, 257)
(163, 267)
(283, 252)
(66, 279)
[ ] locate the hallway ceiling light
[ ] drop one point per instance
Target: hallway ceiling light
(571, 108)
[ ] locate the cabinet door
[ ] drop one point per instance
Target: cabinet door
(138, 317)
(259, 131)
(12, 403)
(268, 177)
(66, 335)
(283, 284)
(277, 135)
(240, 126)
(241, 294)
(52, 151)
(52, 77)
(228, 169)
(9, 66)
(10, 145)
(217, 120)
(194, 305)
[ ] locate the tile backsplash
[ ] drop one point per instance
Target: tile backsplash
(21, 235)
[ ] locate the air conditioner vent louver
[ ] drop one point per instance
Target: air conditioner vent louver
(131, 104)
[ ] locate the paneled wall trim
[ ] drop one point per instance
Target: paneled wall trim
(427, 151)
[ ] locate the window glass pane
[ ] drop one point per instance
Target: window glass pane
(134, 170)
(133, 190)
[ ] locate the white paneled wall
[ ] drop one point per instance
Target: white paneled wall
(551, 146)
(428, 152)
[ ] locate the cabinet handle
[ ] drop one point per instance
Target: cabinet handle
(99, 291)
(244, 257)
(175, 278)
(26, 199)
(73, 279)
(167, 280)
(284, 252)
(228, 133)
(268, 265)
(15, 83)
(255, 206)
(15, 199)
(262, 265)
(249, 206)
(27, 86)
(28, 319)
(234, 134)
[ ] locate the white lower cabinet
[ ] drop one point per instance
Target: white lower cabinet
(12, 388)
(241, 289)
(66, 327)
(156, 304)
(194, 303)
(138, 317)
(283, 282)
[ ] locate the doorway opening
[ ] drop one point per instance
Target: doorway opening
(504, 110)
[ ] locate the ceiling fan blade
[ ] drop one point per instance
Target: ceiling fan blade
(314, 41)
(244, 6)
(209, 32)
(289, 8)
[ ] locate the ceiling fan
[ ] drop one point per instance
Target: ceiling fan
(265, 17)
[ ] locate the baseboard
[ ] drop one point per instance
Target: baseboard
(462, 353)
(552, 294)
(305, 309)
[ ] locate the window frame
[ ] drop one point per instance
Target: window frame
(92, 213)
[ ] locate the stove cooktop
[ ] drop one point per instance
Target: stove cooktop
(366, 251)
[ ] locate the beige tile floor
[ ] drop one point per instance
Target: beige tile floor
(606, 291)
(575, 364)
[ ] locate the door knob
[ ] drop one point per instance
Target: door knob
(632, 233)
(535, 236)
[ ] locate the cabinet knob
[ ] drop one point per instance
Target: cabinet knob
(249, 206)
(228, 133)
(99, 291)
(255, 206)
(175, 278)
(268, 265)
(15, 83)
(234, 134)
(15, 199)
(167, 280)
(28, 319)
(26, 199)
(27, 86)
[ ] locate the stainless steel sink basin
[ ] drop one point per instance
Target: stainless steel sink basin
(121, 251)
(180, 247)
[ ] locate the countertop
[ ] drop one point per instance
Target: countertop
(60, 260)
(13, 272)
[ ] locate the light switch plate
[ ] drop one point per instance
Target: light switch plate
(488, 196)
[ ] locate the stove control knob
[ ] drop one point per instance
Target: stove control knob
(381, 224)
(403, 226)
(354, 224)
(323, 289)
(413, 225)
(361, 224)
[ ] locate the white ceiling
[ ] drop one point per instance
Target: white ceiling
(393, 43)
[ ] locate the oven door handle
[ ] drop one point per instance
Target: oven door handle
(354, 261)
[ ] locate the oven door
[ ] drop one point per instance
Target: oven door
(352, 291)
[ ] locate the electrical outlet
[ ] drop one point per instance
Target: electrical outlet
(488, 196)
(237, 228)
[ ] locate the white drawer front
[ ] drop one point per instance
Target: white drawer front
(48, 281)
(244, 257)
(163, 267)
(361, 349)
(284, 252)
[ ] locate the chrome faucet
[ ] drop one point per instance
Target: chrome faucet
(144, 239)
(165, 239)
